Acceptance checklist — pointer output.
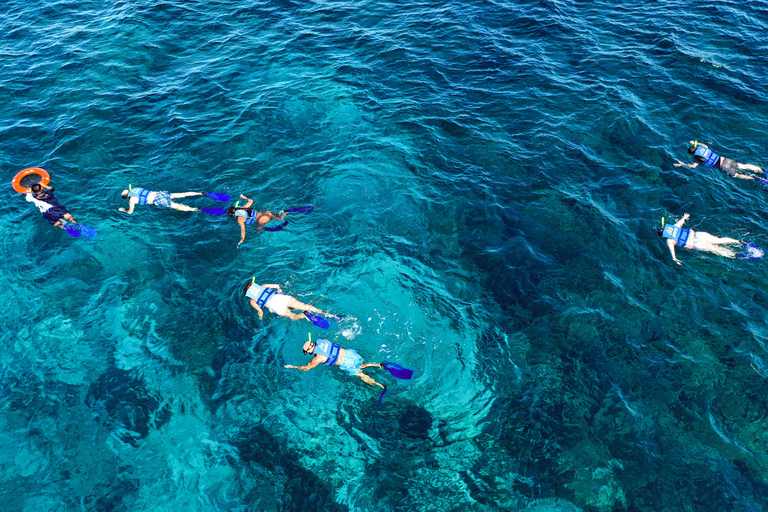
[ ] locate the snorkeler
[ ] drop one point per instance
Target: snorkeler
(142, 196)
(42, 197)
(247, 216)
(708, 158)
(698, 240)
(326, 352)
(271, 296)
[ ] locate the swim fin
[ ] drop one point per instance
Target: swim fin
(317, 320)
(751, 253)
(71, 230)
(761, 180)
(214, 211)
(381, 396)
(86, 231)
(279, 227)
(300, 209)
(224, 198)
(397, 371)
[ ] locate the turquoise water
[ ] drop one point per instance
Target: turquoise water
(486, 179)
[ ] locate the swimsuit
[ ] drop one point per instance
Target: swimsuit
(162, 199)
(351, 363)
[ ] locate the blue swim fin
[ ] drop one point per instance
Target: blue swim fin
(86, 231)
(279, 227)
(300, 209)
(214, 211)
(317, 320)
(751, 253)
(71, 230)
(397, 371)
(224, 198)
(381, 396)
(761, 180)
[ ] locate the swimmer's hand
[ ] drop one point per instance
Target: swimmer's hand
(238, 245)
(242, 196)
(123, 210)
(289, 366)
(687, 216)
(678, 261)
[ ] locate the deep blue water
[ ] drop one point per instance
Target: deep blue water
(487, 177)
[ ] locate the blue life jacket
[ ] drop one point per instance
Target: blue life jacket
(328, 349)
(249, 219)
(141, 193)
(260, 294)
(677, 234)
(709, 156)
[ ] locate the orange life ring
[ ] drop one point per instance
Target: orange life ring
(45, 178)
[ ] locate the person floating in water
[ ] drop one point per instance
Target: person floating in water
(142, 196)
(676, 235)
(271, 296)
(326, 352)
(708, 158)
(247, 216)
(42, 197)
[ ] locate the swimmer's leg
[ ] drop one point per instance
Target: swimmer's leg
(295, 316)
(749, 167)
(294, 304)
(185, 194)
(721, 251)
(182, 207)
(706, 238)
(70, 218)
(369, 380)
(368, 365)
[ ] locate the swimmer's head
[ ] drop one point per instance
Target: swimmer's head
(247, 286)
(36, 188)
(692, 149)
(309, 347)
(124, 194)
(660, 231)
(231, 211)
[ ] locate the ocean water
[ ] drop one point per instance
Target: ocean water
(487, 178)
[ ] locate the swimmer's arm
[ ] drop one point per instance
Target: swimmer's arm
(681, 164)
(132, 202)
(314, 362)
(249, 203)
(257, 308)
(681, 222)
(671, 245)
(241, 221)
(694, 143)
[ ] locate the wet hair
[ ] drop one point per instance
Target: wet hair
(692, 149)
(246, 287)
(36, 187)
(124, 194)
(660, 231)
(231, 211)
